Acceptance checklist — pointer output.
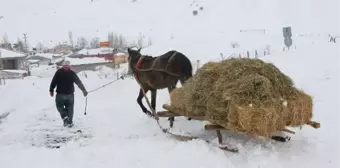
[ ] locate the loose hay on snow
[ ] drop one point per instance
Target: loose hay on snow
(243, 95)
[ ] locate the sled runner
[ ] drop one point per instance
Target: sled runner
(210, 126)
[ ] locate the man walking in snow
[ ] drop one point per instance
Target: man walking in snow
(63, 79)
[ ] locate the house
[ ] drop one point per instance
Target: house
(104, 52)
(120, 58)
(43, 58)
(61, 49)
(11, 60)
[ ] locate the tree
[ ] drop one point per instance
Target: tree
(140, 42)
(5, 43)
(117, 40)
(82, 43)
(19, 45)
(95, 43)
(39, 46)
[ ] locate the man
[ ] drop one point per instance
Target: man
(64, 79)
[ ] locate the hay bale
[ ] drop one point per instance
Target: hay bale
(243, 95)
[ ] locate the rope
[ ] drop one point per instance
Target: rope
(85, 111)
(106, 84)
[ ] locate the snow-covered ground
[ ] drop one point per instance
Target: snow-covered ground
(115, 132)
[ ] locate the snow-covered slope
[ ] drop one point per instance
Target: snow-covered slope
(220, 21)
(115, 132)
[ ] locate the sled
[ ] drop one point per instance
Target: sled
(210, 126)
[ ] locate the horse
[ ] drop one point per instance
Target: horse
(158, 72)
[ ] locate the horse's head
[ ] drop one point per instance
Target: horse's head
(133, 58)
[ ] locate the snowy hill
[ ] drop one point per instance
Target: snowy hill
(220, 21)
(115, 132)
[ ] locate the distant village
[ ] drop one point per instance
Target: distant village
(16, 60)
(15, 63)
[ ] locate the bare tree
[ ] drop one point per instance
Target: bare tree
(117, 40)
(19, 45)
(39, 46)
(95, 43)
(82, 42)
(149, 42)
(140, 41)
(122, 41)
(5, 43)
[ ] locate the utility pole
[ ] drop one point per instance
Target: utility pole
(71, 39)
(25, 40)
(1, 64)
(1, 61)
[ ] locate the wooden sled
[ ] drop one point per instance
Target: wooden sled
(209, 126)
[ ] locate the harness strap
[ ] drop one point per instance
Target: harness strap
(139, 64)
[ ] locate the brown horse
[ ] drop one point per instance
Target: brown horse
(159, 72)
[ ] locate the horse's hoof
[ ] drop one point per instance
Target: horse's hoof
(171, 124)
(148, 113)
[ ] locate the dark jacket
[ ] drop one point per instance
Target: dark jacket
(63, 80)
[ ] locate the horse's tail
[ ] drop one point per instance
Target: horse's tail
(187, 70)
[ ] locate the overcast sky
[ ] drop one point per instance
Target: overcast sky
(48, 21)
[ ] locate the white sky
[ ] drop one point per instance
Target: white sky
(49, 21)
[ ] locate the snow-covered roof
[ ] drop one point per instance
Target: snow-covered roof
(79, 61)
(96, 51)
(120, 54)
(14, 71)
(48, 55)
(10, 54)
(33, 61)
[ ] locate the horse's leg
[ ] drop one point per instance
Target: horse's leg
(171, 119)
(139, 101)
(153, 98)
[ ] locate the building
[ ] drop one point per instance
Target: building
(11, 60)
(61, 49)
(44, 58)
(120, 58)
(103, 52)
(106, 53)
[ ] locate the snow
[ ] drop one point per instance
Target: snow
(32, 61)
(47, 55)
(96, 51)
(115, 132)
(4, 53)
(14, 70)
(163, 20)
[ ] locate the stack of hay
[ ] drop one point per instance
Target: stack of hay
(243, 95)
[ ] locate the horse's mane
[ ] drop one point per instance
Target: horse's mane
(148, 57)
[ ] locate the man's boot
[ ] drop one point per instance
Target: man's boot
(66, 121)
(70, 124)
